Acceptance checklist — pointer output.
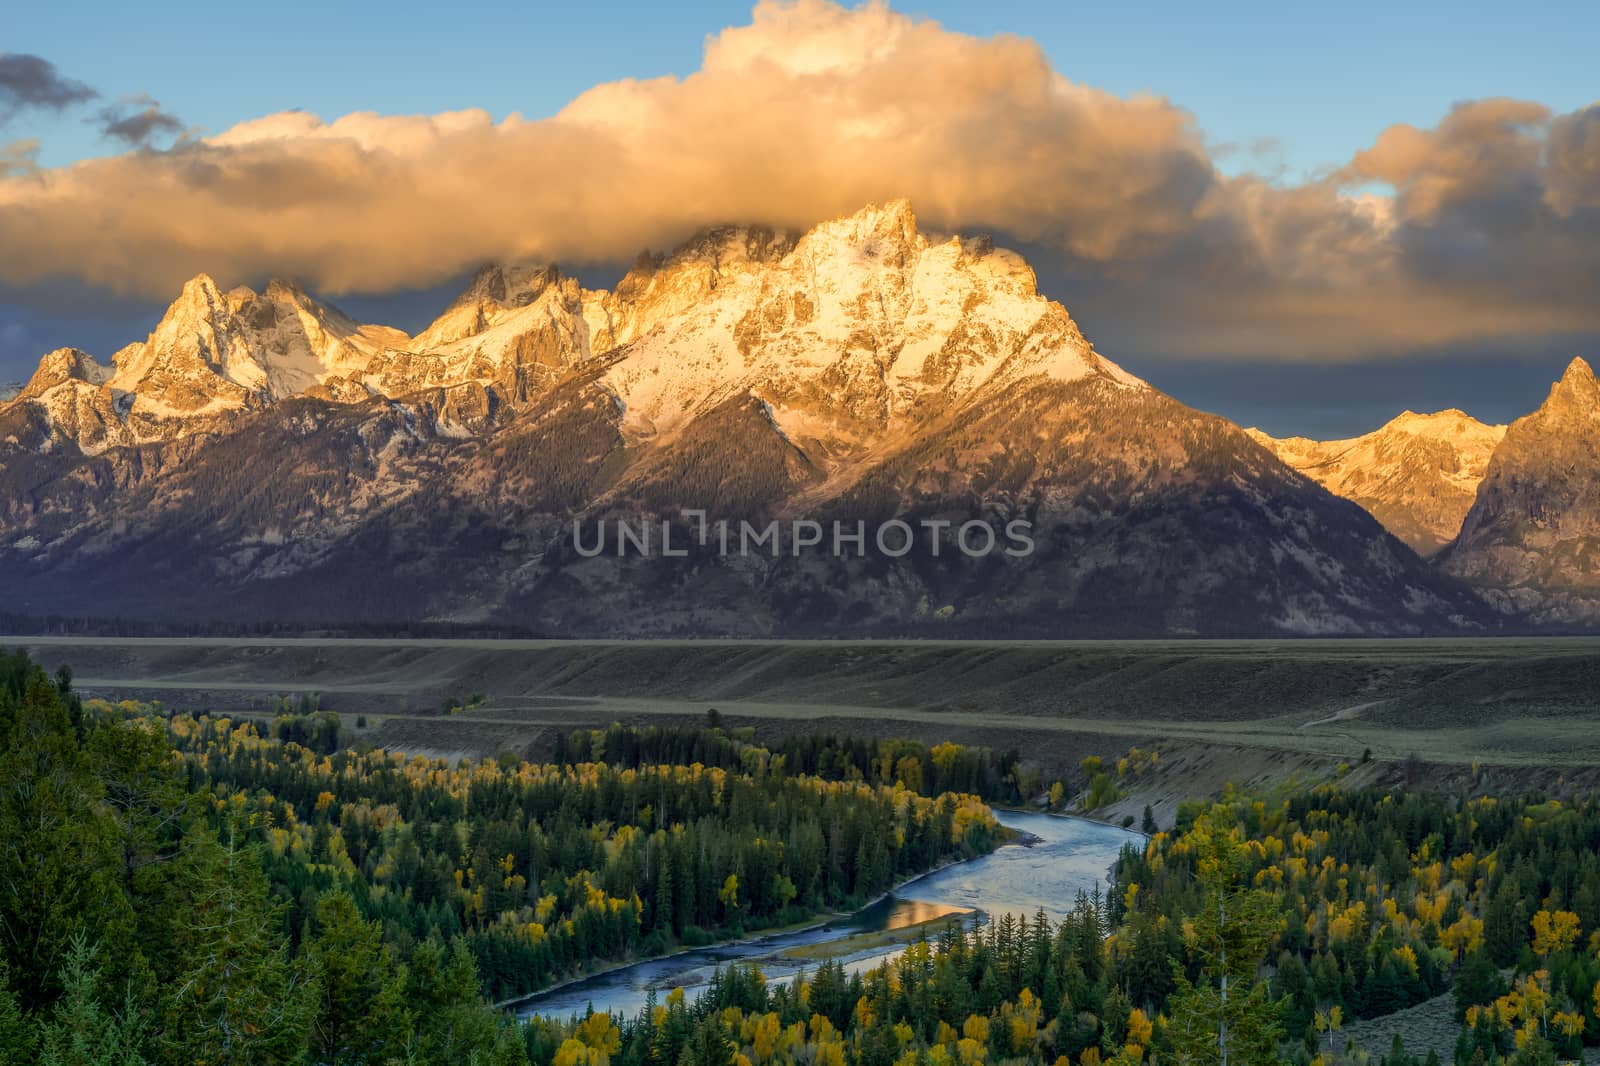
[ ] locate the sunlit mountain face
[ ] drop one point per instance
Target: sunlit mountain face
(267, 453)
(824, 325)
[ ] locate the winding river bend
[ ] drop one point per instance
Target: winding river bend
(1067, 856)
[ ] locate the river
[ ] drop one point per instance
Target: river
(1067, 856)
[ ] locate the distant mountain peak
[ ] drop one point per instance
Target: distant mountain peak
(287, 290)
(63, 365)
(212, 353)
(200, 284)
(1417, 473)
(1415, 419)
(1578, 372)
(1577, 393)
(496, 289)
(893, 220)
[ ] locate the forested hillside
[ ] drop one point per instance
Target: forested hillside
(193, 890)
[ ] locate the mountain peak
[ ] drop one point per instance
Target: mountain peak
(1538, 511)
(1418, 473)
(890, 218)
(893, 223)
(1451, 420)
(200, 285)
(495, 289)
(515, 284)
(1578, 372)
(1577, 392)
(62, 365)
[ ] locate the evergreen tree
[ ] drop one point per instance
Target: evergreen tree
(1478, 983)
(351, 970)
(56, 853)
(239, 1000)
(80, 1031)
(708, 1046)
(1228, 1017)
(1505, 924)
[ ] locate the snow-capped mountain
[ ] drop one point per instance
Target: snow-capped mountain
(265, 457)
(216, 351)
(1533, 534)
(212, 355)
(1417, 474)
(862, 328)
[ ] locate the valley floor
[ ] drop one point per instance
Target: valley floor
(1501, 713)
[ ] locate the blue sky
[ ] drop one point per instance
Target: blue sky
(1286, 91)
(1308, 84)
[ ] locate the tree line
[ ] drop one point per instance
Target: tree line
(924, 769)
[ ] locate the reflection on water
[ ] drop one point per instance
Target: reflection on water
(1072, 856)
(1069, 856)
(892, 912)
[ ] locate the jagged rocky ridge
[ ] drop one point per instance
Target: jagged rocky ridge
(263, 456)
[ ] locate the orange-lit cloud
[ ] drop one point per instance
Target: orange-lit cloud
(814, 109)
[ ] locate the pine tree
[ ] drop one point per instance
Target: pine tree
(1505, 924)
(148, 812)
(238, 1000)
(350, 968)
(452, 1023)
(508, 1049)
(1228, 1017)
(1477, 983)
(55, 843)
(663, 900)
(708, 1046)
(82, 1033)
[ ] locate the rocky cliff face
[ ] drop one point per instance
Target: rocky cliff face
(1533, 533)
(1417, 474)
(265, 457)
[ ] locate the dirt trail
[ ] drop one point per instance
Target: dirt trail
(1344, 715)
